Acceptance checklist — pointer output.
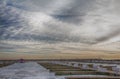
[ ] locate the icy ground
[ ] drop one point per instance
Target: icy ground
(29, 70)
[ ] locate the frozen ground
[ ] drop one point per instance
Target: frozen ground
(29, 70)
(32, 70)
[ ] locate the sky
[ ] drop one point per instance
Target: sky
(50, 29)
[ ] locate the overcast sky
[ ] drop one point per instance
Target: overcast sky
(59, 26)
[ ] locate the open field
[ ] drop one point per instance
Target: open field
(5, 64)
(66, 70)
(62, 70)
(92, 78)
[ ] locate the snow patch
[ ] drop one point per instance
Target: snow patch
(28, 70)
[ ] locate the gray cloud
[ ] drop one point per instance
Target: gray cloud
(81, 21)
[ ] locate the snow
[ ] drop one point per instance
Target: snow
(28, 70)
(32, 70)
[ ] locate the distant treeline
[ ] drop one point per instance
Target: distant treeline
(76, 60)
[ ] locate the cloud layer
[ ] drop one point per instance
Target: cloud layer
(90, 22)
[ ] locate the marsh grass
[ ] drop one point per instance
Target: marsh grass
(67, 70)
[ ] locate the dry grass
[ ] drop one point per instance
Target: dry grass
(93, 78)
(67, 70)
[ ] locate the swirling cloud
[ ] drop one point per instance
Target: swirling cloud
(90, 22)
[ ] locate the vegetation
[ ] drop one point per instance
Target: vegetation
(92, 78)
(67, 70)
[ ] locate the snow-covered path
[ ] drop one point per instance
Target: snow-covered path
(29, 70)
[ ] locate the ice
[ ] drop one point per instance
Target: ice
(28, 70)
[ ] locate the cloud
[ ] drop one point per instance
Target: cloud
(80, 21)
